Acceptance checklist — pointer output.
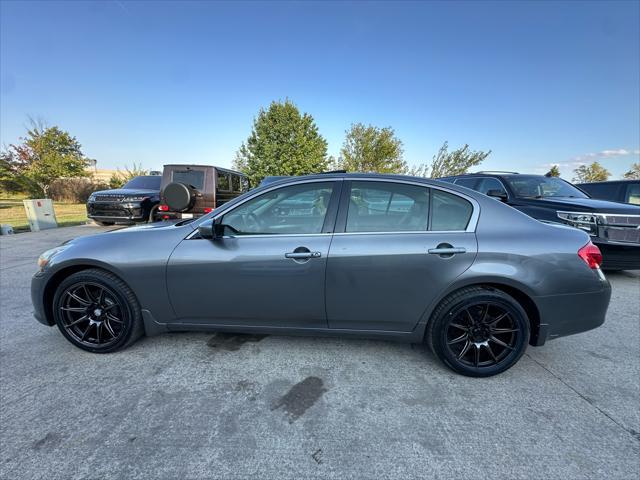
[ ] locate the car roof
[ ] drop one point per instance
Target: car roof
(370, 176)
(192, 165)
(607, 182)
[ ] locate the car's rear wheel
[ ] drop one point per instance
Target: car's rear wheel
(97, 311)
(479, 331)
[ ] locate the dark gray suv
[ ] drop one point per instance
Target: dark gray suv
(390, 257)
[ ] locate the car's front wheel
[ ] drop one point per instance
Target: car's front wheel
(97, 311)
(479, 331)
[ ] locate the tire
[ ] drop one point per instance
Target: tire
(97, 312)
(478, 331)
(105, 224)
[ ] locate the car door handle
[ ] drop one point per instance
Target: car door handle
(302, 255)
(447, 250)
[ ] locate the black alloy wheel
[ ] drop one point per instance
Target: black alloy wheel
(97, 312)
(479, 332)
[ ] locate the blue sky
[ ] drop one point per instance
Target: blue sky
(164, 82)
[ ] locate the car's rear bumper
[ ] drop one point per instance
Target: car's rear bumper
(568, 314)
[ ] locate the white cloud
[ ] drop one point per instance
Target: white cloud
(612, 153)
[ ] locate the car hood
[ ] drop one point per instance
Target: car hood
(127, 191)
(581, 205)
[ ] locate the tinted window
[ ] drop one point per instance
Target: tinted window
(190, 177)
(223, 184)
(387, 207)
(147, 182)
(449, 212)
(605, 191)
(466, 182)
(537, 186)
(296, 209)
(487, 184)
(235, 183)
(633, 194)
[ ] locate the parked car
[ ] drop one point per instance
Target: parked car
(379, 256)
(189, 191)
(613, 227)
(134, 202)
(623, 191)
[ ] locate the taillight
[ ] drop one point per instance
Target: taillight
(207, 209)
(591, 255)
(163, 208)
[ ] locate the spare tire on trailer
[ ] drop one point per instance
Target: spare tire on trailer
(180, 197)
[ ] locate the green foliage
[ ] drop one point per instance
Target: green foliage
(282, 142)
(553, 172)
(119, 178)
(457, 162)
(371, 149)
(45, 155)
(633, 173)
(591, 173)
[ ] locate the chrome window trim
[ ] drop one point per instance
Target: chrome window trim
(471, 226)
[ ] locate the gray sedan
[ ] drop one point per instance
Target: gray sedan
(382, 256)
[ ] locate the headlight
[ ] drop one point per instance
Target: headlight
(582, 220)
(45, 258)
(92, 197)
(138, 198)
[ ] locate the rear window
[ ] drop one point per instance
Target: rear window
(194, 178)
(151, 182)
(449, 212)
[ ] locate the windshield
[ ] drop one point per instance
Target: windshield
(534, 186)
(151, 182)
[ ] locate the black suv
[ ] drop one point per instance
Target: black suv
(614, 227)
(135, 202)
(624, 191)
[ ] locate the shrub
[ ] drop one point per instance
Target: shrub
(75, 190)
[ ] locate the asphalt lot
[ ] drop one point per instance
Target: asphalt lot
(238, 406)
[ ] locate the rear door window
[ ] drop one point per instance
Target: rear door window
(387, 207)
(235, 183)
(449, 212)
(222, 182)
(194, 178)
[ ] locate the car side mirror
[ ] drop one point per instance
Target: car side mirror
(206, 229)
(497, 194)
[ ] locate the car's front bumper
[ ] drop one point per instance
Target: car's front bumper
(116, 211)
(568, 314)
(38, 284)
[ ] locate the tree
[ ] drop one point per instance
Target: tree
(118, 179)
(45, 155)
(447, 163)
(553, 172)
(634, 173)
(371, 149)
(591, 173)
(282, 142)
